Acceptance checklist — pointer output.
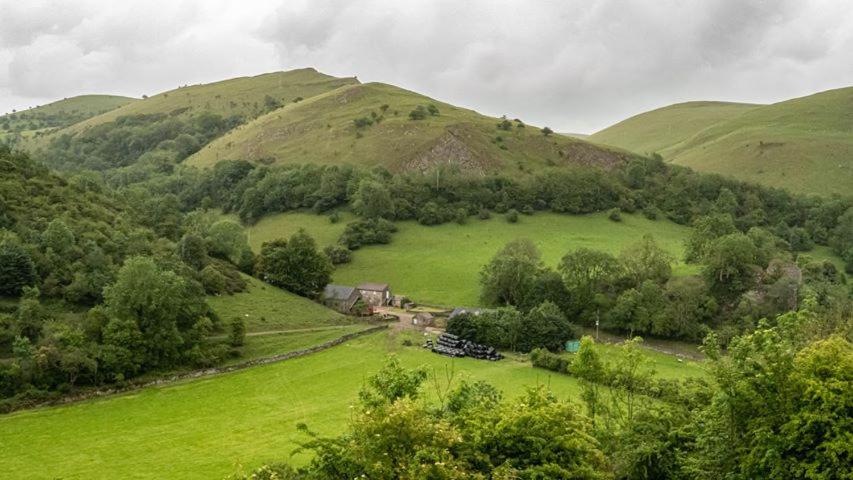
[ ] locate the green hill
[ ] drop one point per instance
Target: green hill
(59, 114)
(804, 145)
(666, 128)
(324, 130)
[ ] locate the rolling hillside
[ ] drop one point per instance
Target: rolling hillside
(59, 114)
(323, 130)
(804, 145)
(662, 130)
(244, 96)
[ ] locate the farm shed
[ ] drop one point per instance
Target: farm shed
(399, 301)
(340, 297)
(423, 319)
(375, 294)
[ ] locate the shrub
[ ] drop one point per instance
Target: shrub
(527, 210)
(362, 122)
(418, 113)
(338, 254)
(615, 214)
(237, 332)
(367, 232)
(432, 109)
(505, 125)
(461, 216)
(212, 281)
(335, 217)
(512, 216)
(543, 358)
(546, 131)
(650, 212)
(484, 214)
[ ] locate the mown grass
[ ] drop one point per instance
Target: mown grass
(321, 130)
(441, 264)
(207, 428)
(803, 145)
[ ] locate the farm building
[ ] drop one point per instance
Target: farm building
(375, 294)
(340, 297)
(399, 301)
(423, 319)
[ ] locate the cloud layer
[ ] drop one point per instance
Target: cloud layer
(574, 65)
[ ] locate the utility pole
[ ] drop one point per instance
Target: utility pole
(596, 325)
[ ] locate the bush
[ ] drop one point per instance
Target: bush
(615, 214)
(650, 212)
(543, 358)
(338, 254)
(527, 210)
(461, 216)
(335, 217)
(362, 122)
(512, 216)
(484, 214)
(237, 332)
(432, 109)
(418, 113)
(212, 281)
(367, 232)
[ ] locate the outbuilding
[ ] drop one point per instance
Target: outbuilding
(375, 294)
(341, 297)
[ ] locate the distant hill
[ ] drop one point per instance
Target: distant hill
(804, 145)
(663, 129)
(244, 96)
(323, 130)
(59, 114)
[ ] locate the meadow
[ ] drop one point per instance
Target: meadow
(210, 427)
(441, 264)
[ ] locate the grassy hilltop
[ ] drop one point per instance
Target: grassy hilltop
(59, 114)
(804, 145)
(323, 130)
(243, 96)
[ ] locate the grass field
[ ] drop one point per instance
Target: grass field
(267, 308)
(207, 428)
(321, 130)
(441, 264)
(804, 145)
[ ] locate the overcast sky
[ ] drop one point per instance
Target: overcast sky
(576, 66)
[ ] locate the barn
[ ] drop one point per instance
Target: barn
(340, 297)
(375, 294)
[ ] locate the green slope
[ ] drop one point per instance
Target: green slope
(441, 264)
(244, 96)
(209, 428)
(804, 145)
(59, 114)
(665, 128)
(322, 130)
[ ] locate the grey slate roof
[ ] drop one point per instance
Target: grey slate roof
(373, 287)
(337, 292)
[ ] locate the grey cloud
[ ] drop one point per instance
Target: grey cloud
(574, 65)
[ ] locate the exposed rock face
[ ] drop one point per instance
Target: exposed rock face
(451, 149)
(582, 153)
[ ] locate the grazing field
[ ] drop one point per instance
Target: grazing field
(207, 428)
(322, 130)
(268, 308)
(441, 264)
(804, 145)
